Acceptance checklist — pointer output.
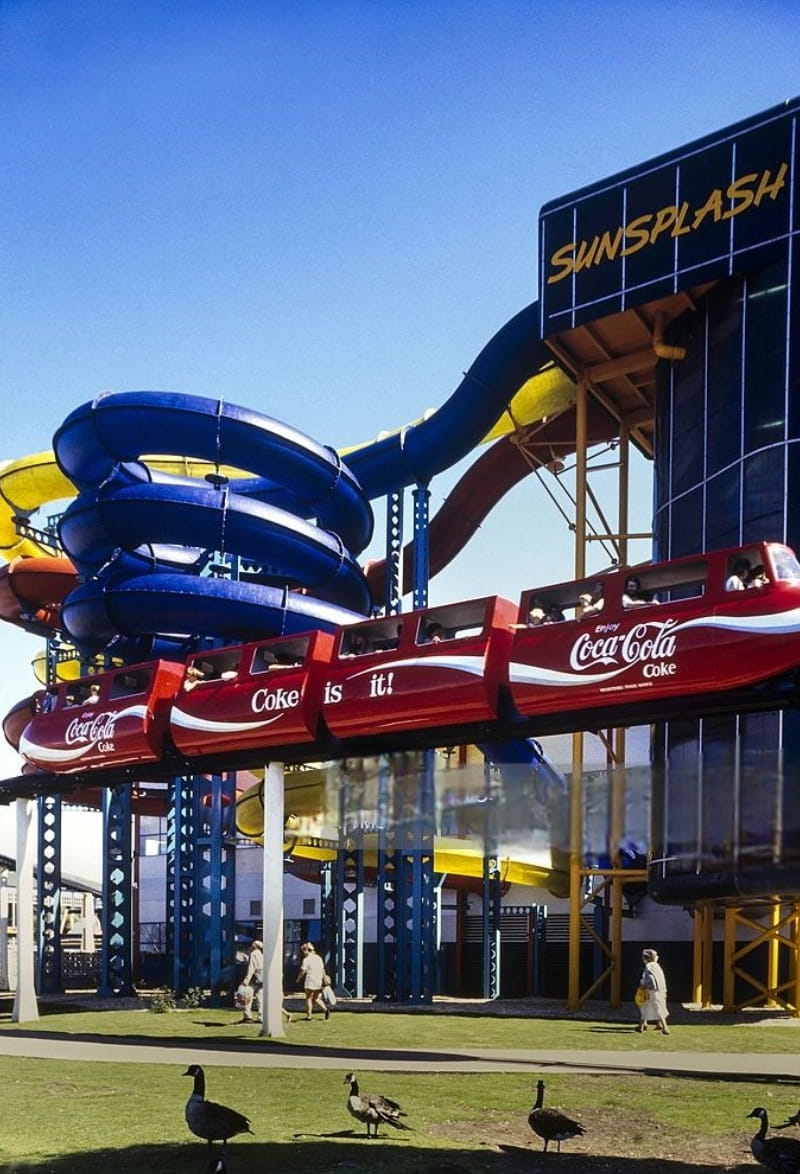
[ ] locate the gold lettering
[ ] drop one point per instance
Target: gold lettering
(740, 194)
(771, 188)
(564, 259)
(665, 218)
(586, 252)
(608, 247)
(679, 230)
(639, 230)
(712, 207)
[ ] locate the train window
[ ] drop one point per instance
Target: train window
(125, 684)
(264, 659)
(785, 564)
(354, 644)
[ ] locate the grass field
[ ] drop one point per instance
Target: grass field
(65, 1117)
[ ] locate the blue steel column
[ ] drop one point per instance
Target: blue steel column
(350, 893)
(328, 922)
(49, 979)
(417, 923)
(181, 889)
(116, 956)
(491, 894)
(387, 887)
(215, 869)
(394, 553)
(421, 546)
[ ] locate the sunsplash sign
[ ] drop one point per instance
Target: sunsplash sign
(715, 207)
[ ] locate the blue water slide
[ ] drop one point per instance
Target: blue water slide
(415, 454)
(142, 540)
(297, 517)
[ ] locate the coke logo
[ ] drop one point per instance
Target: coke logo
(98, 728)
(649, 641)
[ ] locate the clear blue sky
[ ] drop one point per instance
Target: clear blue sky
(323, 210)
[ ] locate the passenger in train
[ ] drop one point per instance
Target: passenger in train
(94, 694)
(193, 677)
(535, 616)
(737, 581)
(591, 601)
(757, 577)
(632, 595)
(553, 615)
(433, 634)
(355, 645)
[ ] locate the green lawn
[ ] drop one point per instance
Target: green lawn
(430, 1029)
(72, 1118)
(85, 1118)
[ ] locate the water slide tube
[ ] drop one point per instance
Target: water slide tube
(139, 537)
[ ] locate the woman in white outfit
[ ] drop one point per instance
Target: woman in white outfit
(655, 984)
(311, 974)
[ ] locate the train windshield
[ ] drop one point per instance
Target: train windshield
(784, 561)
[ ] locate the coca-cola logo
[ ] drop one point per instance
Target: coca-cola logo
(91, 730)
(653, 640)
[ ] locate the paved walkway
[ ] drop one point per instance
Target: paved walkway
(37, 1041)
(720, 1065)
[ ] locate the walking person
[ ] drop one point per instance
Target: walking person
(254, 978)
(312, 976)
(654, 983)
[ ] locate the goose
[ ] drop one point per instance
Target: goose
(208, 1120)
(781, 1154)
(550, 1124)
(372, 1109)
(793, 1120)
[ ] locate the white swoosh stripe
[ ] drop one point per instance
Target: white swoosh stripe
(458, 664)
(188, 721)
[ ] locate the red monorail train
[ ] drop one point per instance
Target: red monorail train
(611, 649)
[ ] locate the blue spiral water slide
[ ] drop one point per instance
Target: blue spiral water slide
(295, 515)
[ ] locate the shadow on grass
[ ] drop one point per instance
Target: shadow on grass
(325, 1155)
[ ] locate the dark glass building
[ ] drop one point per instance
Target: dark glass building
(703, 246)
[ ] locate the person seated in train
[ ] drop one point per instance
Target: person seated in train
(757, 577)
(434, 634)
(94, 694)
(591, 601)
(632, 596)
(354, 645)
(737, 581)
(553, 615)
(536, 615)
(193, 677)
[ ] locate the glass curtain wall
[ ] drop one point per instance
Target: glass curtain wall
(726, 801)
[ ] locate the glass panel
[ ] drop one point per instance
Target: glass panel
(724, 416)
(765, 357)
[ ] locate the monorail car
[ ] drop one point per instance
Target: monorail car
(661, 632)
(254, 696)
(432, 669)
(108, 719)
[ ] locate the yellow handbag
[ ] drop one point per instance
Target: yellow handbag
(640, 998)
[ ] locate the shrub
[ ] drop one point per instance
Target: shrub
(194, 997)
(162, 1000)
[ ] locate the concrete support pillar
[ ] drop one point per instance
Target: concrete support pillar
(272, 901)
(5, 983)
(25, 1004)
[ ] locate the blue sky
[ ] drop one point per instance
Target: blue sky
(324, 210)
